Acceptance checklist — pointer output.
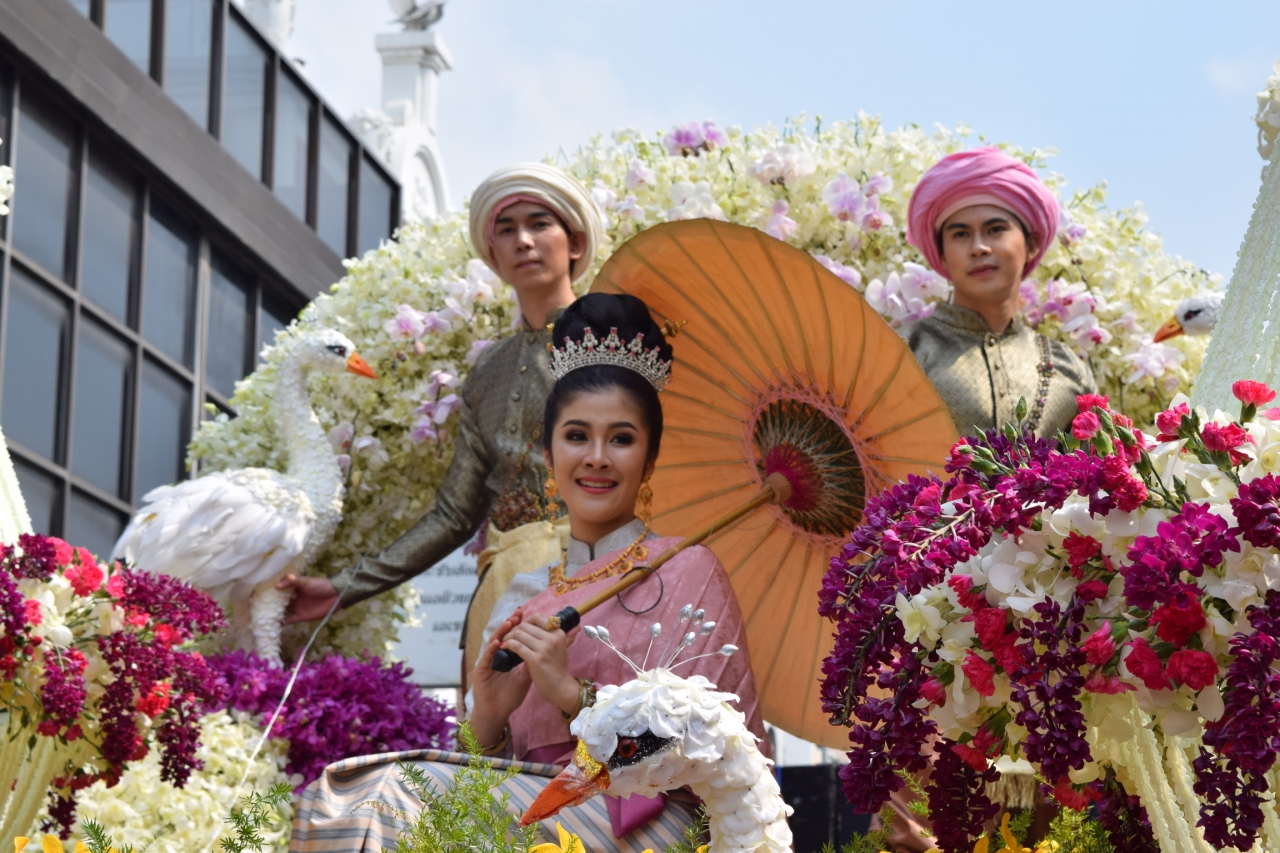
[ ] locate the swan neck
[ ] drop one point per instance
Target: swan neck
(754, 783)
(304, 438)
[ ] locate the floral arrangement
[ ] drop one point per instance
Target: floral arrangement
(1109, 611)
(92, 668)
(339, 708)
(422, 307)
(1267, 118)
(162, 819)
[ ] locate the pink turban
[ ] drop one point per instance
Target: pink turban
(982, 176)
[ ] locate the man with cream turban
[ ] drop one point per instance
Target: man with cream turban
(984, 220)
(538, 228)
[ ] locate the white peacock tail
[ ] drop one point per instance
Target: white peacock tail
(668, 660)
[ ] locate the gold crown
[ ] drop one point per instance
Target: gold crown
(632, 356)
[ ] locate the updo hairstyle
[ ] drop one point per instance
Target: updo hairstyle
(601, 312)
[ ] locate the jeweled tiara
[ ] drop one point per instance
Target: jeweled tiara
(633, 356)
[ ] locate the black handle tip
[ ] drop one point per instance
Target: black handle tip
(505, 661)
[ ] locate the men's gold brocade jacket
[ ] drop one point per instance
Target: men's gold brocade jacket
(497, 469)
(981, 375)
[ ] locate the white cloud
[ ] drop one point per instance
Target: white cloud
(1237, 77)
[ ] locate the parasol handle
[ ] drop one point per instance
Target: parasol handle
(775, 489)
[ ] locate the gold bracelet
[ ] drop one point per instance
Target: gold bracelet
(501, 744)
(586, 698)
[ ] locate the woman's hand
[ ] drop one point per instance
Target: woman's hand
(546, 657)
(496, 694)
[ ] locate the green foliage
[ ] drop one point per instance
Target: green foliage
(1019, 823)
(1075, 832)
(253, 814)
(468, 816)
(695, 835)
(97, 839)
(873, 842)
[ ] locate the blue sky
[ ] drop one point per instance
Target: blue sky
(1154, 98)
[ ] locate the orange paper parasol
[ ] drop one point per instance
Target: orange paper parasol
(782, 367)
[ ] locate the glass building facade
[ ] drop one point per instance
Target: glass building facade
(129, 308)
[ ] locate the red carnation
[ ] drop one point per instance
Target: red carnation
(1128, 491)
(1225, 439)
(961, 456)
(1252, 393)
(1086, 402)
(1169, 421)
(1193, 668)
(1144, 663)
(1085, 426)
(981, 674)
(156, 702)
(1178, 619)
(1080, 549)
(975, 758)
(962, 584)
(1076, 799)
(1092, 590)
(1100, 682)
(31, 609)
(989, 624)
(1099, 648)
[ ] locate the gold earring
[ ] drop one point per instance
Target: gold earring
(550, 491)
(644, 502)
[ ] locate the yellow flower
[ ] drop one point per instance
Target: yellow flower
(51, 844)
(1011, 843)
(568, 844)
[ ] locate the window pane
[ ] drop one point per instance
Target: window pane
(6, 102)
(41, 493)
(164, 429)
(335, 172)
(293, 121)
(110, 238)
(128, 24)
(82, 6)
(271, 319)
(170, 286)
(228, 335)
(376, 195)
(188, 40)
(244, 100)
(104, 364)
(35, 346)
(92, 525)
(46, 145)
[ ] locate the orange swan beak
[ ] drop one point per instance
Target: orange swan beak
(360, 367)
(577, 783)
(1171, 329)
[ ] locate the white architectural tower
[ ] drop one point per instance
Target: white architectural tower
(403, 132)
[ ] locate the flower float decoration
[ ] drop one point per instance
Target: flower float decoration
(1109, 611)
(423, 306)
(94, 673)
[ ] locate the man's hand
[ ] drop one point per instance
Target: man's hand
(312, 597)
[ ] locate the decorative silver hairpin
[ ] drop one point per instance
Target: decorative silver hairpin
(613, 351)
(700, 627)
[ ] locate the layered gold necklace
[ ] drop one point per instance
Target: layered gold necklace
(619, 565)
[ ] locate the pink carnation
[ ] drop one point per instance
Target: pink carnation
(1099, 648)
(31, 608)
(933, 691)
(1170, 420)
(1100, 682)
(1085, 426)
(1252, 393)
(1086, 402)
(84, 578)
(1145, 665)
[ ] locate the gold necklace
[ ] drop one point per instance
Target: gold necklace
(619, 565)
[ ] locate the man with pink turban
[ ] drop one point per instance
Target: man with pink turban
(538, 228)
(984, 220)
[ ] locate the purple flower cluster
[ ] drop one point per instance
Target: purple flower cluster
(1047, 686)
(1191, 541)
(1241, 746)
(959, 791)
(1257, 509)
(340, 707)
(39, 557)
(1123, 817)
(63, 693)
(167, 600)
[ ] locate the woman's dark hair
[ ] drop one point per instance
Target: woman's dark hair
(601, 312)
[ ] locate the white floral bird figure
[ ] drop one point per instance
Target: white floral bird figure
(235, 533)
(1195, 315)
(660, 732)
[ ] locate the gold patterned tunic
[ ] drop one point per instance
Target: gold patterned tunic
(981, 375)
(497, 469)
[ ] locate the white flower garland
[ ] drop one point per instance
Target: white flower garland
(6, 188)
(1268, 117)
(1245, 343)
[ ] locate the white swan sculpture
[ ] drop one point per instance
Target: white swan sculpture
(237, 532)
(659, 732)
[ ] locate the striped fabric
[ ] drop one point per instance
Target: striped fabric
(334, 816)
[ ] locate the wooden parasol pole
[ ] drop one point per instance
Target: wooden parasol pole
(775, 489)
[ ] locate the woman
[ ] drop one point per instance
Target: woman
(602, 431)
(984, 220)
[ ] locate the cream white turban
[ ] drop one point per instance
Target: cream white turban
(557, 189)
